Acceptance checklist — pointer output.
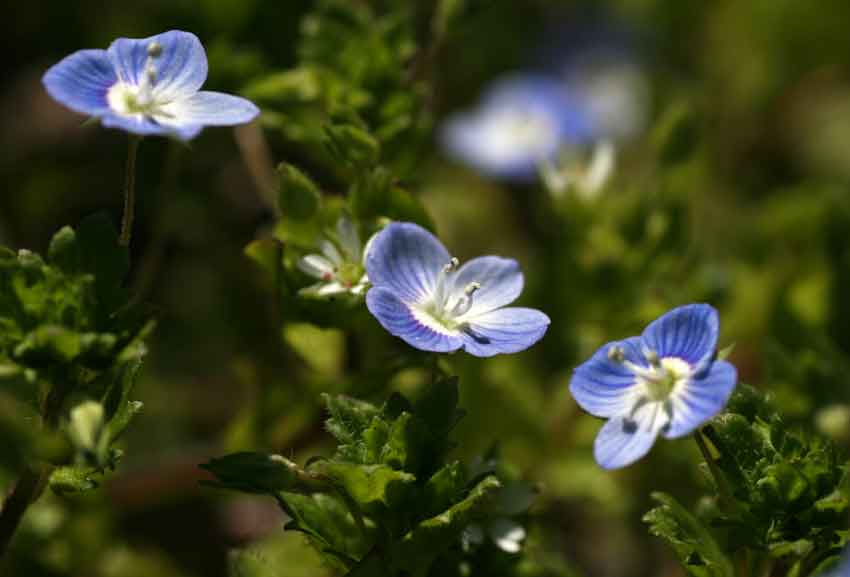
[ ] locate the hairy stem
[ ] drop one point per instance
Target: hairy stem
(719, 479)
(129, 191)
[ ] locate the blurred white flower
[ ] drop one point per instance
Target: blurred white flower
(340, 267)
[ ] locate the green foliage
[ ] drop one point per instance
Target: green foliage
(695, 547)
(69, 333)
(784, 494)
(387, 502)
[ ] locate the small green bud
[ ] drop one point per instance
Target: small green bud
(87, 432)
(834, 421)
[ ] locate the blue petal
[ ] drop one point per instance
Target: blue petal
(626, 438)
(507, 330)
(606, 388)
(181, 67)
(406, 258)
(546, 96)
(208, 109)
(688, 332)
(500, 279)
(80, 81)
(146, 126)
(397, 317)
(701, 399)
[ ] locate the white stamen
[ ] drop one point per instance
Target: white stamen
(442, 280)
(464, 303)
(652, 358)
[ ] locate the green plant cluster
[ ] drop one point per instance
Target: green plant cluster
(389, 501)
(70, 335)
(781, 496)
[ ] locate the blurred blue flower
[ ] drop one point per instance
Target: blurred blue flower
(421, 294)
(522, 122)
(146, 86)
(665, 381)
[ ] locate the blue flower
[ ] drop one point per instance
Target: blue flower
(523, 121)
(421, 294)
(665, 381)
(146, 86)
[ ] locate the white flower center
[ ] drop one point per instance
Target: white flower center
(517, 131)
(132, 99)
(448, 305)
(661, 378)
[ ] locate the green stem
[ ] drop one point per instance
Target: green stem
(34, 478)
(129, 191)
(719, 479)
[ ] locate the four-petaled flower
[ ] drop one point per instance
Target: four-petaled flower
(523, 122)
(421, 294)
(146, 86)
(666, 381)
(341, 267)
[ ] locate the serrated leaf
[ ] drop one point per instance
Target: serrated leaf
(349, 417)
(418, 548)
(368, 485)
(694, 545)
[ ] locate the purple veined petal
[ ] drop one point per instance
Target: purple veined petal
(688, 332)
(81, 81)
(398, 318)
(626, 438)
(500, 279)
(606, 388)
(208, 109)
(701, 399)
(507, 330)
(406, 259)
(181, 68)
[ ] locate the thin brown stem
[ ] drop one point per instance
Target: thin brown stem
(129, 191)
(34, 478)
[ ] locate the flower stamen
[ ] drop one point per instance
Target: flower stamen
(464, 303)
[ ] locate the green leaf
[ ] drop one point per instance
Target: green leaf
(374, 195)
(349, 417)
(368, 485)
(798, 549)
(438, 406)
(418, 548)
(49, 343)
(69, 480)
(299, 197)
(695, 547)
(120, 409)
(257, 473)
(352, 145)
(443, 489)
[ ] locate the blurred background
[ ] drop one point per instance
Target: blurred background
(730, 186)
